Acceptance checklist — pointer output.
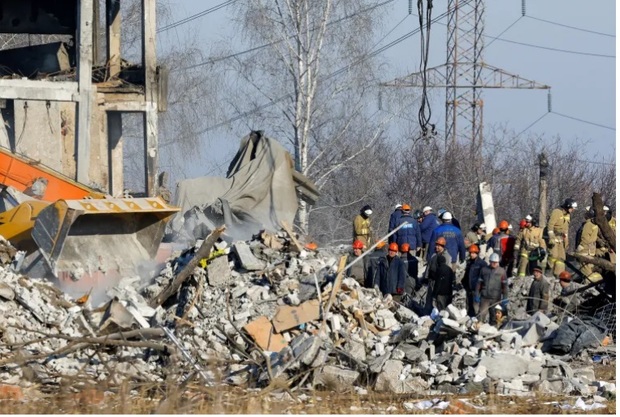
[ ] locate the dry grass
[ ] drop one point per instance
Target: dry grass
(196, 399)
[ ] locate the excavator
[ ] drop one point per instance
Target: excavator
(85, 239)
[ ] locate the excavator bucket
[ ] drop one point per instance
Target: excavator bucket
(93, 243)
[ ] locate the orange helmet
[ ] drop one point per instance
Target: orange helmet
(522, 223)
(404, 247)
(440, 241)
(495, 231)
(357, 244)
(474, 249)
(393, 247)
(406, 207)
(381, 244)
(503, 225)
(565, 276)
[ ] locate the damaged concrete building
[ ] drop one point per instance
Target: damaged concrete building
(63, 109)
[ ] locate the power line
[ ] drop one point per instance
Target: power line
(571, 27)
(504, 31)
(196, 16)
(532, 124)
(550, 48)
(596, 162)
(584, 121)
(256, 48)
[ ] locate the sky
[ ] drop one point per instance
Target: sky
(567, 44)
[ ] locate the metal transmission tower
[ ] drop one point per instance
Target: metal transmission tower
(465, 73)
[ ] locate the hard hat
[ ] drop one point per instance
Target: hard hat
(427, 208)
(587, 208)
(358, 244)
(393, 247)
(565, 276)
(474, 249)
(483, 226)
(406, 207)
(569, 203)
(494, 257)
(397, 206)
(499, 307)
(447, 216)
(503, 225)
(528, 218)
(404, 247)
(510, 227)
(522, 223)
(381, 244)
(496, 231)
(605, 208)
(440, 241)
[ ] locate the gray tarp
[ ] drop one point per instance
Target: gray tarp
(257, 193)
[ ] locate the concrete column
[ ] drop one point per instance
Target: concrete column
(151, 144)
(84, 70)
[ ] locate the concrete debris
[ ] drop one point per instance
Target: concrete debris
(254, 311)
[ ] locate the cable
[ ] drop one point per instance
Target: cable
(425, 112)
(256, 48)
(596, 163)
(571, 27)
(551, 49)
(532, 124)
(584, 121)
(504, 31)
(196, 16)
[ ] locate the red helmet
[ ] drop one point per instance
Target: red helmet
(357, 244)
(393, 247)
(565, 276)
(503, 225)
(404, 247)
(496, 230)
(474, 249)
(522, 223)
(440, 241)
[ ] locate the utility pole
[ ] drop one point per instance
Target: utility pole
(543, 166)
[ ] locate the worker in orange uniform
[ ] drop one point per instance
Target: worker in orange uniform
(557, 230)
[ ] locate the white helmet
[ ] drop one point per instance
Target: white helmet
(588, 208)
(397, 206)
(447, 216)
(483, 226)
(494, 257)
(528, 218)
(427, 208)
(368, 212)
(510, 227)
(605, 208)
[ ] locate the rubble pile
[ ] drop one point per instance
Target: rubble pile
(268, 309)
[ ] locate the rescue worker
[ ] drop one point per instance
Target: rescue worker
(358, 270)
(455, 245)
(530, 246)
(454, 221)
(568, 299)
(557, 230)
(472, 237)
(538, 296)
(490, 238)
(431, 270)
(411, 266)
(501, 316)
(443, 281)
(473, 267)
(612, 223)
(394, 221)
(504, 246)
(410, 232)
(394, 281)
(586, 238)
(492, 289)
(361, 226)
(429, 223)
(376, 266)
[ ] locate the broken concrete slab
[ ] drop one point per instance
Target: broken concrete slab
(505, 366)
(248, 261)
(335, 378)
(218, 272)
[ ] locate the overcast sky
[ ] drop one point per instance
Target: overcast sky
(567, 44)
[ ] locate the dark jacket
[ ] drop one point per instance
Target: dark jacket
(538, 297)
(444, 279)
(411, 265)
(395, 277)
(429, 223)
(409, 233)
(376, 268)
(492, 283)
(357, 271)
(455, 244)
(472, 273)
(394, 223)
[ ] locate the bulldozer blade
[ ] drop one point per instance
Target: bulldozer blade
(93, 243)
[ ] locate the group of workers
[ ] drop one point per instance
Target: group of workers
(490, 259)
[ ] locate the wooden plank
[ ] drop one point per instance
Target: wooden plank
(337, 284)
(84, 70)
(288, 230)
(38, 90)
